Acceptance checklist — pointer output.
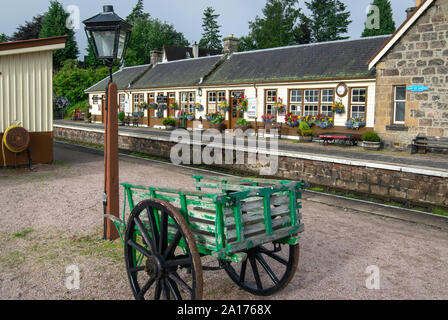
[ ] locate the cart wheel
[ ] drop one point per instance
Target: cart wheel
(270, 268)
(162, 259)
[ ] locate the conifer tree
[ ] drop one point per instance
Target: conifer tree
(328, 21)
(54, 24)
(379, 19)
(211, 38)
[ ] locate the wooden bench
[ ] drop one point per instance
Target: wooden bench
(422, 143)
(335, 137)
(136, 121)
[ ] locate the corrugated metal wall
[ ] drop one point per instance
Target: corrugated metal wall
(26, 91)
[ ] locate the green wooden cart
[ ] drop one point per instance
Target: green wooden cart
(250, 226)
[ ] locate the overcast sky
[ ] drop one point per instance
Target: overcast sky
(185, 15)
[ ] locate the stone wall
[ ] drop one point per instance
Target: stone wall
(406, 187)
(420, 57)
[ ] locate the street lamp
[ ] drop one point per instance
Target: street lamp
(109, 35)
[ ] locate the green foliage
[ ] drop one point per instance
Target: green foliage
(328, 20)
(371, 137)
(386, 21)
(305, 130)
(3, 37)
(121, 116)
(90, 60)
(278, 27)
(149, 34)
(169, 122)
(211, 38)
(30, 30)
(70, 82)
(54, 24)
(242, 122)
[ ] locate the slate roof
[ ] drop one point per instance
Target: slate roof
(177, 73)
(123, 78)
(319, 61)
(179, 53)
(329, 60)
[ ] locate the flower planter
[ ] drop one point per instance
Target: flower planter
(305, 138)
(169, 127)
(243, 128)
(371, 146)
(273, 126)
(218, 126)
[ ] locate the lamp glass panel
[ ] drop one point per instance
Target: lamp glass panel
(121, 43)
(104, 41)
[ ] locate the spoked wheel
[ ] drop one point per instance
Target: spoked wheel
(162, 259)
(268, 268)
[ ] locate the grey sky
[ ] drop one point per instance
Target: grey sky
(185, 15)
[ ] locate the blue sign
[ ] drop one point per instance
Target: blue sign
(418, 88)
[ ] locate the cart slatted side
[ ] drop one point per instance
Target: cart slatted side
(198, 209)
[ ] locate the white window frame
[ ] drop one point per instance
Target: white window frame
(358, 103)
(395, 104)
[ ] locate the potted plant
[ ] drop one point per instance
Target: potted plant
(121, 116)
(324, 122)
(242, 124)
(270, 122)
(305, 132)
(88, 116)
(371, 141)
(292, 120)
(216, 120)
(169, 123)
(355, 123)
(190, 116)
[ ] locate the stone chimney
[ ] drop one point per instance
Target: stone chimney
(156, 56)
(230, 44)
(195, 50)
(411, 10)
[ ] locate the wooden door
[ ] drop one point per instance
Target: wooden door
(234, 113)
(171, 99)
(151, 100)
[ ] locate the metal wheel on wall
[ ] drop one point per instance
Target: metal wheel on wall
(162, 259)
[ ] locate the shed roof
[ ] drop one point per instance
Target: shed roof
(33, 45)
(329, 60)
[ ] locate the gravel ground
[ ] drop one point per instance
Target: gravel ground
(51, 218)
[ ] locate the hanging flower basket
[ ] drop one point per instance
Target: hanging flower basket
(152, 106)
(159, 114)
(278, 105)
(243, 105)
(198, 107)
(338, 107)
(173, 106)
(143, 105)
(190, 116)
(223, 105)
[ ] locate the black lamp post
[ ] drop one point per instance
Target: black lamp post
(109, 35)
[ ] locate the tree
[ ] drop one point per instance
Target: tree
(148, 35)
(379, 19)
(71, 81)
(211, 38)
(278, 27)
(3, 37)
(30, 30)
(137, 13)
(328, 20)
(54, 24)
